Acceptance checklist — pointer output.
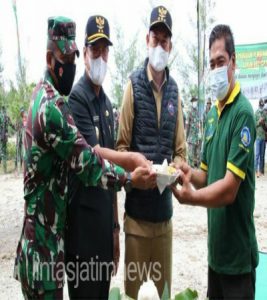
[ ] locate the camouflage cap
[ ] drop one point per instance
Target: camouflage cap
(62, 30)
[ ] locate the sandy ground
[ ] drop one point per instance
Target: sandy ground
(189, 243)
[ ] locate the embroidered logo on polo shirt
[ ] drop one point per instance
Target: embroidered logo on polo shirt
(245, 136)
(170, 108)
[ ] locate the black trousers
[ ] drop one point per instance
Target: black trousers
(88, 279)
(231, 287)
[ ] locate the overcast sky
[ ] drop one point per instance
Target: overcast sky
(246, 18)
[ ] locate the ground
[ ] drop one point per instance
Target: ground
(189, 238)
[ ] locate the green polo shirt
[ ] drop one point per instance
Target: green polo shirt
(229, 145)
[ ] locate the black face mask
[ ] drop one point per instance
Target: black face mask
(65, 74)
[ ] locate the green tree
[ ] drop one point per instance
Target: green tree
(126, 58)
(197, 53)
(2, 91)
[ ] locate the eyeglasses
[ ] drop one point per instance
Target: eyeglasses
(98, 50)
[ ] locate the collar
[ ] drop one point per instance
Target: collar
(231, 99)
(87, 86)
(151, 81)
(48, 77)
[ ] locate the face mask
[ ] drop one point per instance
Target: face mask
(98, 70)
(65, 74)
(194, 104)
(219, 82)
(158, 58)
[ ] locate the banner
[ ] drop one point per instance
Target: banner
(251, 70)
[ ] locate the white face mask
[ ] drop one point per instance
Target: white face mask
(194, 104)
(158, 58)
(219, 82)
(98, 70)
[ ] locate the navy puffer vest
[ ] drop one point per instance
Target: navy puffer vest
(155, 142)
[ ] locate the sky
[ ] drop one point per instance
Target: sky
(245, 17)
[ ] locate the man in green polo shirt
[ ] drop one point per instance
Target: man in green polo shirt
(226, 182)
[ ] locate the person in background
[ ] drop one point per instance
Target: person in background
(225, 183)
(151, 123)
(5, 123)
(265, 110)
(193, 134)
(20, 128)
(207, 109)
(261, 123)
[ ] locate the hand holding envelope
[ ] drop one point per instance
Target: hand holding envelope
(166, 175)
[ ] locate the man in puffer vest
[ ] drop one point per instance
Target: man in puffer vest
(151, 123)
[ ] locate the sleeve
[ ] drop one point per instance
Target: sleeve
(179, 145)
(82, 119)
(126, 120)
(62, 135)
(242, 144)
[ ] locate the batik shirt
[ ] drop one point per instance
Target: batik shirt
(53, 145)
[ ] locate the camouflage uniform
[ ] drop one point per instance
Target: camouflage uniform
(193, 135)
(52, 145)
(20, 127)
(4, 123)
(205, 114)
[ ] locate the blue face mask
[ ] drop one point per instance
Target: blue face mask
(219, 82)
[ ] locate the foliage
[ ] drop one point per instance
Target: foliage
(16, 98)
(187, 294)
(127, 58)
(11, 150)
(189, 69)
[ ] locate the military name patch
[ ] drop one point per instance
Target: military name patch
(245, 136)
(170, 108)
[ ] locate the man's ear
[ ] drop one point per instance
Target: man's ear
(147, 40)
(84, 54)
(49, 56)
(234, 60)
(170, 46)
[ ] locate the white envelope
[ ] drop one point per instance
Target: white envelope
(163, 177)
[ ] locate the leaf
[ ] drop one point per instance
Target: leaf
(114, 294)
(165, 294)
(187, 294)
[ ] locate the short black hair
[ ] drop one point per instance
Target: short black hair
(225, 32)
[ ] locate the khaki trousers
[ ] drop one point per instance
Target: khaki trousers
(148, 254)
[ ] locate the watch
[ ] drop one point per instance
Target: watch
(128, 183)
